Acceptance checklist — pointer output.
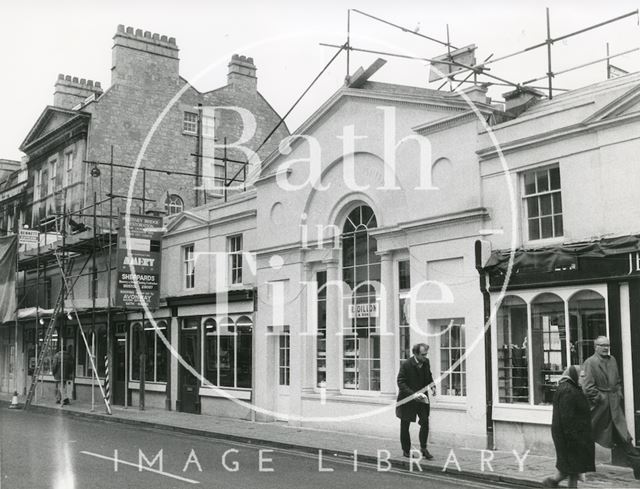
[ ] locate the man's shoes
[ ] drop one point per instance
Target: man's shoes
(425, 453)
(549, 482)
(65, 402)
(406, 453)
(57, 401)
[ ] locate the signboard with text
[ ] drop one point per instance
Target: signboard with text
(359, 311)
(138, 259)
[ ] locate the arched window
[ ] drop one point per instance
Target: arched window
(548, 345)
(587, 321)
(361, 271)
(513, 346)
(173, 205)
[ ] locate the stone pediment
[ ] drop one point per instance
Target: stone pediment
(626, 104)
(186, 220)
(51, 119)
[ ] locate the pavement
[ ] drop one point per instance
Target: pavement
(501, 467)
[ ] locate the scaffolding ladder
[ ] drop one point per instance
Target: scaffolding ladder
(45, 348)
(65, 290)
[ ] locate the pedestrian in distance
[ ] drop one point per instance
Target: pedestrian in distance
(414, 381)
(603, 387)
(571, 431)
(63, 369)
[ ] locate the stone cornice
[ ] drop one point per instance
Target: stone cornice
(447, 122)
(553, 136)
(476, 214)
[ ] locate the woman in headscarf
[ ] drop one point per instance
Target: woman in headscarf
(571, 431)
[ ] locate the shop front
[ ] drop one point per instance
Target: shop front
(213, 370)
(545, 315)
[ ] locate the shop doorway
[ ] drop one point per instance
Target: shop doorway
(120, 374)
(188, 384)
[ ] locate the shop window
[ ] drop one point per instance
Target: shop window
(155, 367)
(452, 350)
(512, 340)
(587, 321)
(404, 329)
(228, 352)
(543, 203)
(189, 266)
(360, 271)
(97, 340)
(548, 345)
(321, 338)
(284, 359)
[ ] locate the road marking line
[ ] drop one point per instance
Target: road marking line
(141, 467)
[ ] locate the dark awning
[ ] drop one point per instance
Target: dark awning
(560, 257)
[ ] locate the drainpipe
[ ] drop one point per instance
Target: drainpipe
(488, 372)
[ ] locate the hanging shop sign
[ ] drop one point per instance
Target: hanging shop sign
(138, 260)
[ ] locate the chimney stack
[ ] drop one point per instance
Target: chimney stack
(242, 73)
(142, 57)
(521, 99)
(71, 91)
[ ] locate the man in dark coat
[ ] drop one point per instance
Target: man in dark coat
(414, 379)
(603, 387)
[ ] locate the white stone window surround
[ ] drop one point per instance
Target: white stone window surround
(555, 196)
(530, 413)
(188, 266)
(234, 248)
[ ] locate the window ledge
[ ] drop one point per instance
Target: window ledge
(449, 403)
(523, 413)
(226, 392)
(540, 243)
(363, 398)
(87, 381)
(149, 386)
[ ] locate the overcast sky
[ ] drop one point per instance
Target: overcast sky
(39, 39)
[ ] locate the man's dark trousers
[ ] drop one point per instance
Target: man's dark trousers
(423, 421)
